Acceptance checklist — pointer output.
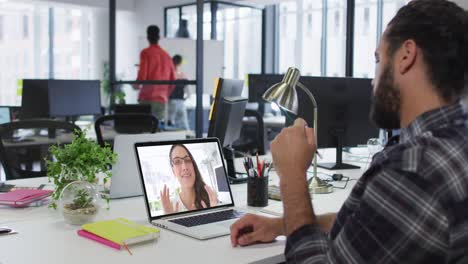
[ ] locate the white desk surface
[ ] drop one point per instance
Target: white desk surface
(43, 236)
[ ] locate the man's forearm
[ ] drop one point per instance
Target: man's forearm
(296, 202)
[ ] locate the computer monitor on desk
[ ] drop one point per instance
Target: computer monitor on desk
(258, 84)
(60, 98)
(223, 88)
(72, 98)
(343, 110)
(227, 112)
(227, 128)
(35, 99)
(343, 114)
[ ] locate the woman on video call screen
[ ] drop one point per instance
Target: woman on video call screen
(177, 180)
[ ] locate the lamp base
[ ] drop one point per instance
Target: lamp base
(336, 166)
(318, 186)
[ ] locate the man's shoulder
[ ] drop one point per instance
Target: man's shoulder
(431, 146)
(435, 156)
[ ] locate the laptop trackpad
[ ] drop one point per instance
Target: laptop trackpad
(226, 224)
(215, 228)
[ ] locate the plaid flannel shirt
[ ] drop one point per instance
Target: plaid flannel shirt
(410, 206)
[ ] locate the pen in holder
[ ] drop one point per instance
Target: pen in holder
(257, 182)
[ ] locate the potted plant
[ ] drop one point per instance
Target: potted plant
(79, 202)
(82, 161)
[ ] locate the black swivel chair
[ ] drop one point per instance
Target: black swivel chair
(18, 155)
(131, 123)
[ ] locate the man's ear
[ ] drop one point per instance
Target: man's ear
(406, 56)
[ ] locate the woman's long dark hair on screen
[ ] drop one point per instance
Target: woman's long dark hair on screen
(200, 192)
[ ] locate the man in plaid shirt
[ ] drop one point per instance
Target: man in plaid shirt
(411, 205)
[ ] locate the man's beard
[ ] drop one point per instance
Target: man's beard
(386, 103)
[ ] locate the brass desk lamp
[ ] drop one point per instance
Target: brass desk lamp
(284, 95)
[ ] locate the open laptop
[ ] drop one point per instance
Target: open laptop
(125, 181)
(158, 168)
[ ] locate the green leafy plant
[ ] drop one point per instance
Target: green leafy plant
(105, 82)
(82, 199)
(120, 97)
(81, 160)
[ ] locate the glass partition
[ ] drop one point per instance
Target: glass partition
(238, 26)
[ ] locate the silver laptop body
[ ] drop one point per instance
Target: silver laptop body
(203, 231)
(125, 181)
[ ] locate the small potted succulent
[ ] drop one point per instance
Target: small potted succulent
(74, 171)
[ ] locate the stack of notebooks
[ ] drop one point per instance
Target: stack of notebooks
(118, 233)
(23, 197)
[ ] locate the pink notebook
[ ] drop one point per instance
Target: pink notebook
(99, 239)
(23, 197)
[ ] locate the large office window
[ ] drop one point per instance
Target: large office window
(312, 39)
(312, 36)
(240, 29)
(390, 8)
(25, 49)
(72, 44)
(365, 38)
(368, 15)
(336, 38)
(289, 45)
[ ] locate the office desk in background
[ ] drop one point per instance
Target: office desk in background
(43, 237)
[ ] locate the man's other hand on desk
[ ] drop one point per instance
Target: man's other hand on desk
(252, 229)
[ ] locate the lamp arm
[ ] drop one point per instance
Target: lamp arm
(314, 103)
(309, 93)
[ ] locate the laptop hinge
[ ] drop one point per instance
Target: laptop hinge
(194, 213)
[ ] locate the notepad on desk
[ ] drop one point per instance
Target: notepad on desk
(23, 197)
(118, 233)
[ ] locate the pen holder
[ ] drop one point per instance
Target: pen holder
(257, 191)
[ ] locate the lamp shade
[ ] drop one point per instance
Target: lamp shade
(284, 93)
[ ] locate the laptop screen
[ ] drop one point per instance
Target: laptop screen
(183, 176)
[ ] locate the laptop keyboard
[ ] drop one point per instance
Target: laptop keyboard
(207, 218)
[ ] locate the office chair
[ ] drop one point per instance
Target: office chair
(131, 123)
(19, 153)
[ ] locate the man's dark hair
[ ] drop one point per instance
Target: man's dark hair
(177, 60)
(152, 33)
(440, 30)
